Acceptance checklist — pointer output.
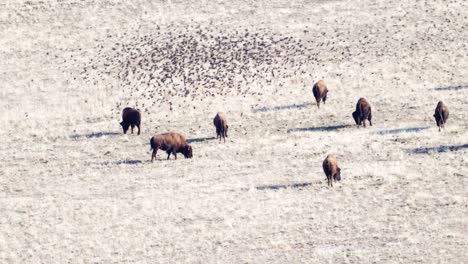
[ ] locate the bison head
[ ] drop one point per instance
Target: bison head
(338, 175)
(187, 152)
(124, 127)
(356, 118)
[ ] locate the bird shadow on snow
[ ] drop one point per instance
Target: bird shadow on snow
(452, 88)
(317, 129)
(281, 107)
(400, 130)
(437, 149)
(283, 186)
(94, 135)
(195, 140)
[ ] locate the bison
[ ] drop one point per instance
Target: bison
(171, 143)
(331, 169)
(221, 126)
(320, 92)
(130, 117)
(363, 112)
(441, 114)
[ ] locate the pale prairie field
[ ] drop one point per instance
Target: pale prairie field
(74, 189)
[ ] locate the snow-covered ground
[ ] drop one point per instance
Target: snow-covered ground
(74, 189)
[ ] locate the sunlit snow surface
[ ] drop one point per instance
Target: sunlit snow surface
(74, 189)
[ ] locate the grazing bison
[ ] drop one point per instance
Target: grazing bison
(331, 169)
(363, 112)
(441, 114)
(130, 117)
(171, 143)
(221, 126)
(320, 92)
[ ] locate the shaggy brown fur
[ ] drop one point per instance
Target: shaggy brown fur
(331, 169)
(441, 114)
(221, 126)
(363, 112)
(171, 143)
(130, 117)
(320, 92)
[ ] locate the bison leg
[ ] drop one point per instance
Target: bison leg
(324, 98)
(138, 126)
(133, 126)
(318, 103)
(153, 156)
(168, 154)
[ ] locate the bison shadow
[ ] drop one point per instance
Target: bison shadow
(314, 129)
(437, 149)
(130, 162)
(94, 135)
(401, 130)
(195, 140)
(283, 186)
(281, 107)
(452, 88)
(119, 162)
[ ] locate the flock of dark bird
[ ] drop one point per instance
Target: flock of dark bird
(195, 62)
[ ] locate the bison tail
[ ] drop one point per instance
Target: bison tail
(315, 91)
(327, 167)
(330, 167)
(441, 116)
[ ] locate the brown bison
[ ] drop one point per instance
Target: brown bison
(320, 92)
(171, 143)
(130, 117)
(331, 169)
(221, 126)
(363, 112)
(441, 114)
